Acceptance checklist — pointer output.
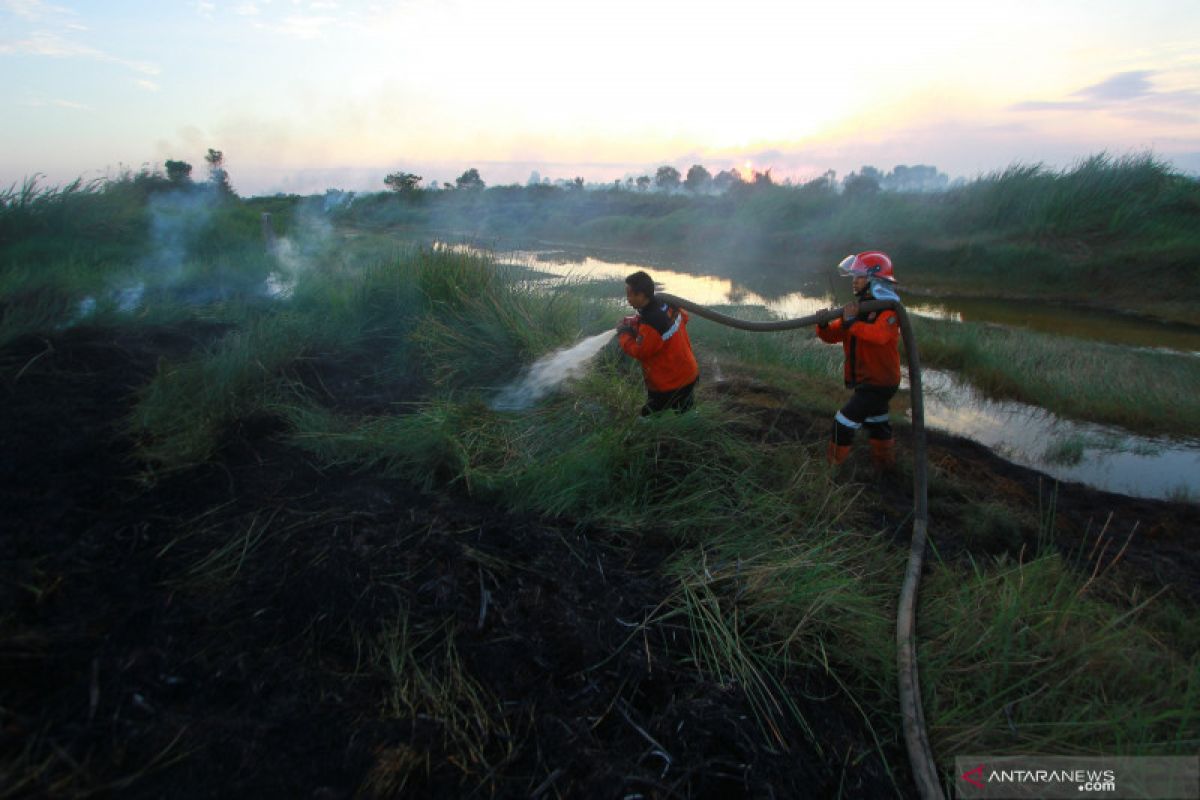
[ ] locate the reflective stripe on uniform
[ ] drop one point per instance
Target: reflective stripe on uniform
(875, 420)
(842, 419)
(674, 329)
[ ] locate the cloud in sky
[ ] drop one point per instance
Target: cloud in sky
(1122, 86)
(305, 27)
(1130, 94)
(32, 10)
(52, 45)
(55, 102)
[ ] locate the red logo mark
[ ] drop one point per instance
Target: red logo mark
(966, 776)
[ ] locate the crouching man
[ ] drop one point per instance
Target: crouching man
(657, 337)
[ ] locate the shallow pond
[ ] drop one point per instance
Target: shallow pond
(1102, 456)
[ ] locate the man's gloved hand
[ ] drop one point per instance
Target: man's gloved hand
(629, 325)
(849, 314)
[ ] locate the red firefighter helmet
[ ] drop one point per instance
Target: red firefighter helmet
(868, 264)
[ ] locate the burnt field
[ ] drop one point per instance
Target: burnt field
(262, 626)
(267, 624)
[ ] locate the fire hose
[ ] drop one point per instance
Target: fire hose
(916, 738)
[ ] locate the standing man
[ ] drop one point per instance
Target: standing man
(657, 337)
(872, 367)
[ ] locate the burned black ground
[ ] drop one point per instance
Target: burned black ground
(218, 633)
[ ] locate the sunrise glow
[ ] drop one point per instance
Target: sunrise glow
(298, 94)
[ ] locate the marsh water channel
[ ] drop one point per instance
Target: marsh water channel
(1102, 456)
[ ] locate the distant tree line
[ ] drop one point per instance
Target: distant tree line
(698, 180)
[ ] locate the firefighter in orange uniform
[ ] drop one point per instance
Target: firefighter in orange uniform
(872, 367)
(657, 337)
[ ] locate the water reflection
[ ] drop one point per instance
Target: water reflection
(703, 289)
(1101, 456)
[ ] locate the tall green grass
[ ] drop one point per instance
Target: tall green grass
(1101, 195)
(1143, 391)
(1024, 657)
(95, 217)
(585, 456)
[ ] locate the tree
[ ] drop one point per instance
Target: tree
(217, 175)
(865, 182)
(667, 178)
(469, 180)
(643, 183)
(917, 178)
(763, 178)
(403, 182)
(577, 184)
(698, 179)
(727, 179)
(824, 185)
(179, 172)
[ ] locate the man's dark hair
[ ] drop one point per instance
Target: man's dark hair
(641, 283)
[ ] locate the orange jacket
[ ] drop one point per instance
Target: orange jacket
(663, 347)
(871, 346)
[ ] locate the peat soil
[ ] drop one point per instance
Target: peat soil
(259, 627)
(981, 505)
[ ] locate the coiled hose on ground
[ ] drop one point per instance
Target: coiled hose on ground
(916, 739)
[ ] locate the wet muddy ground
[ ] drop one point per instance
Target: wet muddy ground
(258, 626)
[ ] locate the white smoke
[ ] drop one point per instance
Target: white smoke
(126, 301)
(299, 252)
(546, 374)
(177, 218)
(336, 199)
(130, 298)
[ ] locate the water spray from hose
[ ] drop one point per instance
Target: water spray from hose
(549, 372)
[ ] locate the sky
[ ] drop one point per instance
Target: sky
(306, 95)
